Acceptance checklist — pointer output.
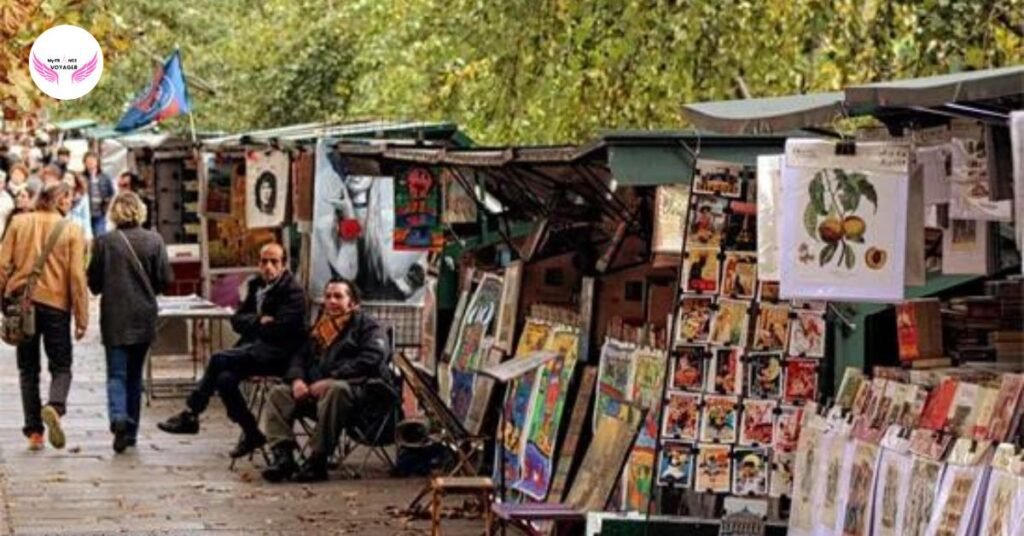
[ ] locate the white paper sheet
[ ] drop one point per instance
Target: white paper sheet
(769, 195)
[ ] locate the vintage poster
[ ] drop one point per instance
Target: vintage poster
(771, 332)
(266, 188)
(764, 375)
(220, 174)
(720, 419)
(707, 223)
(615, 370)
(892, 493)
(769, 204)
(781, 474)
(1007, 399)
(648, 377)
(953, 513)
(714, 468)
(552, 389)
(757, 423)
(970, 184)
(352, 236)
(844, 233)
(807, 334)
(688, 368)
(677, 465)
(700, 270)
(787, 427)
(739, 275)
(924, 480)
(725, 375)
(417, 210)
(694, 322)
(730, 324)
(801, 380)
(750, 476)
(459, 206)
(670, 216)
(741, 228)
(767, 291)
(720, 178)
(682, 416)
(859, 498)
(477, 323)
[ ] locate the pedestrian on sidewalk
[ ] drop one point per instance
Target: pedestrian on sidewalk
(58, 293)
(272, 325)
(101, 191)
(128, 269)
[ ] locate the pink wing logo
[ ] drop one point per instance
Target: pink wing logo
(44, 70)
(85, 71)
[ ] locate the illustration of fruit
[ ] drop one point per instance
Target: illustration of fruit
(875, 258)
(831, 215)
(831, 230)
(853, 228)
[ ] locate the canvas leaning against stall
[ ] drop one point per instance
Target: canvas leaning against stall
(266, 188)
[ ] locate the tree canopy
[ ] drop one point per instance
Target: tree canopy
(516, 71)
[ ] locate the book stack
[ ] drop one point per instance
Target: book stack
(1008, 340)
(967, 323)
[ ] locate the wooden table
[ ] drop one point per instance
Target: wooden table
(197, 311)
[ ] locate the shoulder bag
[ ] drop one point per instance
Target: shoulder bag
(19, 322)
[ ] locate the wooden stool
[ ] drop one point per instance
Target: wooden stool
(481, 486)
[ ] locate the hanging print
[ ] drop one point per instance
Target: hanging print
(769, 213)
(720, 419)
(750, 476)
(672, 202)
(726, 372)
(739, 275)
(720, 178)
(682, 416)
(688, 372)
(615, 370)
(787, 427)
(924, 480)
(741, 228)
(694, 322)
(781, 481)
(807, 334)
(266, 187)
(801, 380)
(417, 211)
(730, 324)
(700, 271)
(764, 375)
(757, 429)
(714, 468)
(707, 222)
(771, 333)
(676, 467)
(459, 206)
(844, 235)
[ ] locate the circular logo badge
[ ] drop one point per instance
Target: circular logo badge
(66, 62)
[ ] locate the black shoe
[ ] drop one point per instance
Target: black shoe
(120, 429)
(283, 466)
(314, 470)
(185, 422)
(248, 444)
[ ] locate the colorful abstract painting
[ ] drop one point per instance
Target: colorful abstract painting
(417, 211)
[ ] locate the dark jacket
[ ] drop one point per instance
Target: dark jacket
(357, 355)
(101, 191)
(127, 310)
(285, 302)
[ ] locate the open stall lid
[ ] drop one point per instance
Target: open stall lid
(765, 115)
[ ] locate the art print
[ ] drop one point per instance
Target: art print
(601, 466)
(750, 477)
(266, 186)
(720, 178)
(459, 206)
(771, 332)
(417, 210)
(518, 407)
(672, 202)
(682, 416)
(720, 419)
(726, 376)
(844, 235)
(806, 479)
(741, 228)
(1007, 399)
(965, 247)
(801, 380)
(958, 420)
(767, 291)
(707, 222)
(787, 427)
(739, 275)
(758, 423)
(835, 465)
(764, 375)
(769, 204)
(676, 466)
(714, 468)
(477, 322)
(730, 324)
(648, 377)
(231, 243)
(937, 408)
(1004, 505)
(924, 480)
(615, 372)
(781, 481)
(952, 514)
(700, 271)
(859, 497)
(892, 492)
(694, 321)
(533, 338)
(638, 475)
(688, 368)
(807, 334)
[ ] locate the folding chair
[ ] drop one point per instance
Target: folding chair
(256, 391)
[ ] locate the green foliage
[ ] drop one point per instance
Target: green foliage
(534, 71)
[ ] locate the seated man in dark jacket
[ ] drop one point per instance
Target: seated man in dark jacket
(272, 325)
(332, 379)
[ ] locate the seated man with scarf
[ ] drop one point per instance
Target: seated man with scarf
(335, 379)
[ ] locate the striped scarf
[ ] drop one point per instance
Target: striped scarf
(327, 329)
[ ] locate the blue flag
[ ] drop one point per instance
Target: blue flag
(165, 97)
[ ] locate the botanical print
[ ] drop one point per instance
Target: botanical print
(924, 480)
(764, 375)
(682, 416)
(769, 204)
(714, 468)
(844, 233)
(700, 271)
(694, 322)
(807, 334)
(758, 422)
(417, 211)
(1006, 405)
(741, 227)
(720, 419)
(615, 371)
(722, 178)
(707, 222)
(739, 275)
(266, 186)
(771, 333)
(750, 476)
(688, 369)
(768, 291)
(676, 467)
(726, 372)
(787, 427)
(801, 380)
(781, 481)
(730, 324)
(859, 497)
